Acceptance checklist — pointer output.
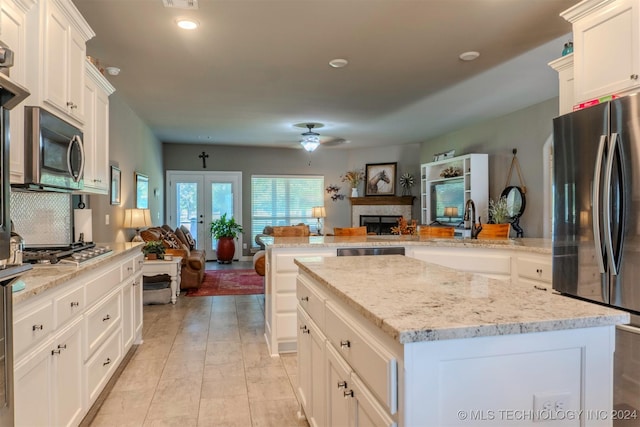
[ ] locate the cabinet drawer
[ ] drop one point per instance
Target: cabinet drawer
(102, 284)
(69, 305)
(102, 320)
(132, 266)
(101, 366)
(311, 301)
(535, 268)
(374, 364)
(29, 329)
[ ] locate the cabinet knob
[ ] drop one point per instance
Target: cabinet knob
(539, 270)
(105, 318)
(135, 283)
(304, 299)
(348, 393)
(342, 384)
(37, 327)
(634, 77)
(345, 344)
(107, 362)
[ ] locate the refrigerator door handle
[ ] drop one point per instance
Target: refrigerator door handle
(606, 200)
(595, 203)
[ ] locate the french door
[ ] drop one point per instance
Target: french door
(197, 198)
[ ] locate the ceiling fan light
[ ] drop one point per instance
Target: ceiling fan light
(309, 145)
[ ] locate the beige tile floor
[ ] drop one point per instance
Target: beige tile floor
(204, 362)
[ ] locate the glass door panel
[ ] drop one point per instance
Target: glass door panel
(222, 199)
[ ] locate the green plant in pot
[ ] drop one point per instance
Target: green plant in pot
(499, 220)
(225, 230)
(154, 249)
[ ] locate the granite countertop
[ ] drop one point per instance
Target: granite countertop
(44, 277)
(537, 245)
(413, 301)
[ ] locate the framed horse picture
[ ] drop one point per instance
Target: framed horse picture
(380, 179)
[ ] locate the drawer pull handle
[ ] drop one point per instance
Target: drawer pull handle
(345, 344)
(342, 384)
(306, 331)
(304, 299)
(105, 318)
(303, 327)
(539, 270)
(62, 346)
(37, 327)
(54, 352)
(634, 77)
(348, 393)
(107, 362)
(75, 304)
(136, 283)
(130, 268)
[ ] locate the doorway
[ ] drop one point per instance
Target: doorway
(197, 198)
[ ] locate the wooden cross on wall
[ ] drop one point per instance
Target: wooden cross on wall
(204, 156)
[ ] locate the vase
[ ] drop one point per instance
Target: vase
(225, 250)
(495, 231)
(354, 192)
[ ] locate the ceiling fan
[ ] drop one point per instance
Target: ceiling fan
(312, 140)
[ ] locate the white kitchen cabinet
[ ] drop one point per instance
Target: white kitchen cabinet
(96, 131)
(534, 269)
(69, 341)
(13, 30)
(470, 183)
(606, 43)
(311, 369)
(280, 295)
(566, 93)
(493, 263)
(57, 53)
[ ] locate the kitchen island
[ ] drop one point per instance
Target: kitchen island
(524, 261)
(416, 344)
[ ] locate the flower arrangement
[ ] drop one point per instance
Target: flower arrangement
(353, 177)
(499, 211)
(450, 172)
(334, 190)
(406, 182)
(405, 228)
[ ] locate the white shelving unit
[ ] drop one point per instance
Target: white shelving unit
(471, 182)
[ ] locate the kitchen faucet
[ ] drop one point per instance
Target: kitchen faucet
(471, 206)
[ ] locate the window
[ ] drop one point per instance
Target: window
(284, 200)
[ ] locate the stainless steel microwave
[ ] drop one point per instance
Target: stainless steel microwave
(54, 152)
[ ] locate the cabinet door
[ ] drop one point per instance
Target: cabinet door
(318, 381)
(606, 51)
(368, 412)
(137, 309)
(56, 58)
(304, 363)
(127, 314)
(68, 387)
(89, 136)
(77, 58)
(33, 389)
(101, 161)
(338, 389)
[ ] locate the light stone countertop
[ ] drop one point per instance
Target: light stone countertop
(413, 301)
(44, 277)
(536, 245)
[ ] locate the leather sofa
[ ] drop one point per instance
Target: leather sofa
(179, 243)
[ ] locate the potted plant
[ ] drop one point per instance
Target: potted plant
(499, 220)
(154, 249)
(224, 231)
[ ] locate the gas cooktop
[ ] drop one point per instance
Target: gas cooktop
(75, 253)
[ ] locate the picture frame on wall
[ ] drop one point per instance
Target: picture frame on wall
(115, 185)
(380, 179)
(142, 190)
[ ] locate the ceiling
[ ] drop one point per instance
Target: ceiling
(255, 68)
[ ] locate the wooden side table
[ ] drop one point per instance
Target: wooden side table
(171, 267)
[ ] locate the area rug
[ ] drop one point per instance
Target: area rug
(229, 282)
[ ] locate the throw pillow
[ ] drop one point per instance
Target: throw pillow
(180, 235)
(187, 234)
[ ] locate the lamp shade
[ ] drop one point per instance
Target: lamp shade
(451, 211)
(137, 218)
(318, 212)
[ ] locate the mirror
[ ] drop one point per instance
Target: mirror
(516, 202)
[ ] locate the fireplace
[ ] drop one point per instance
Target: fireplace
(379, 224)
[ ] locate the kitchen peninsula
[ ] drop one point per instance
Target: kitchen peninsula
(410, 343)
(524, 261)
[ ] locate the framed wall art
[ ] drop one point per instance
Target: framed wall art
(115, 185)
(380, 179)
(142, 190)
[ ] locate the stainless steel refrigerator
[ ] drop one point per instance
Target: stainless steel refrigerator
(596, 222)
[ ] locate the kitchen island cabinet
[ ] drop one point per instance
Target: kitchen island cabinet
(489, 257)
(72, 328)
(449, 348)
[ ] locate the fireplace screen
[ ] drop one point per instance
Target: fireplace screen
(379, 224)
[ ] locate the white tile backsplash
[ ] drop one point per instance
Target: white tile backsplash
(42, 218)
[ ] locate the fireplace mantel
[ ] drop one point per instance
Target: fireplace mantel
(382, 200)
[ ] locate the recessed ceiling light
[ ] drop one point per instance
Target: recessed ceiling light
(469, 56)
(338, 63)
(187, 24)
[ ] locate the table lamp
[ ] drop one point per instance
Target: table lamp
(137, 218)
(450, 211)
(318, 212)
